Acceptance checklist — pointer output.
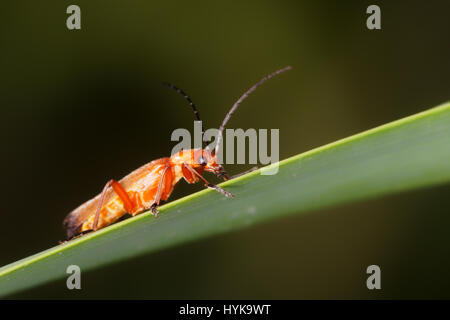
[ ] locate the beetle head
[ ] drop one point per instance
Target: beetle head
(207, 160)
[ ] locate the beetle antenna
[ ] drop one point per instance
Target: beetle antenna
(242, 98)
(191, 103)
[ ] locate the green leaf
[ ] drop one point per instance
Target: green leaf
(410, 153)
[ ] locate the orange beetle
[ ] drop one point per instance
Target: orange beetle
(144, 188)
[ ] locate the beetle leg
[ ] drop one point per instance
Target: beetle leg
(155, 204)
(123, 195)
(207, 184)
(154, 209)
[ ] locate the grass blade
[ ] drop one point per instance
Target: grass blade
(409, 153)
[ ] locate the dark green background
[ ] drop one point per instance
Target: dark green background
(81, 107)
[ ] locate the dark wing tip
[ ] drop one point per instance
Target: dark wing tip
(72, 225)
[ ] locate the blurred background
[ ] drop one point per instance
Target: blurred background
(80, 107)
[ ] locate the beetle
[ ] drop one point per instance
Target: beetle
(144, 188)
